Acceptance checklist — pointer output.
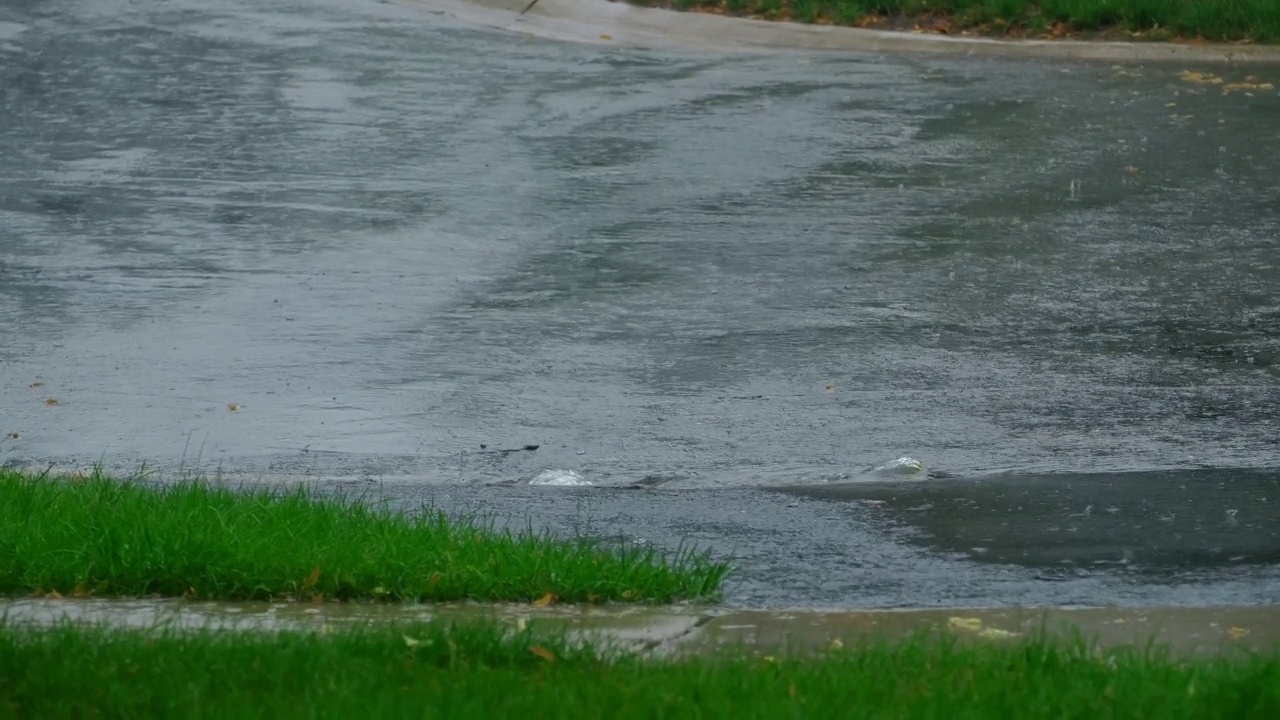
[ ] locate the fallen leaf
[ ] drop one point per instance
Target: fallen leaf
(959, 623)
(51, 401)
(1237, 632)
(606, 36)
(545, 600)
(543, 653)
(233, 407)
(1201, 78)
(311, 580)
(1246, 86)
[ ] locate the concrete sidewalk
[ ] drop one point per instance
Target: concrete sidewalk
(692, 629)
(620, 24)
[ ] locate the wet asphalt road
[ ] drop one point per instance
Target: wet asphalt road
(388, 239)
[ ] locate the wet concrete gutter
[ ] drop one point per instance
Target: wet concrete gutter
(692, 629)
(616, 23)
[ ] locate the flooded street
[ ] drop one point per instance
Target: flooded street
(374, 248)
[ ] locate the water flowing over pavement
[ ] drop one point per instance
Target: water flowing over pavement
(383, 250)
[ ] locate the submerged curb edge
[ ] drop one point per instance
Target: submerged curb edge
(620, 24)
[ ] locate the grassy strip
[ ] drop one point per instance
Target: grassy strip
(481, 671)
(97, 536)
(1254, 20)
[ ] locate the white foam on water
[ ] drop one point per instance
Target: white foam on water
(564, 478)
(901, 467)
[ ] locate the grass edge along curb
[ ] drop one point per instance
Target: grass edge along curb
(97, 536)
(487, 670)
(1237, 21)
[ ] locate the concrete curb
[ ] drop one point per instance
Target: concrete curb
(692, 630)
(615, 23)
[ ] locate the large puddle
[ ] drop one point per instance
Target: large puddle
(378, 250)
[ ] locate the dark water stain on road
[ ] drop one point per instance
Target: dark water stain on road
(349, 242)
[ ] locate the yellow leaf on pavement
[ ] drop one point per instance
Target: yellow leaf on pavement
(1201, 78)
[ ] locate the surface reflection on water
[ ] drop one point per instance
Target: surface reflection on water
(1158, 521)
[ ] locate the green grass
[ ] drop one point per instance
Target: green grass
(1255, 20)
(482, 671)
(97, 536)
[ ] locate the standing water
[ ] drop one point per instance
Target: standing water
(374, 249)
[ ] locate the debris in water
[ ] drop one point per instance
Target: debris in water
(564, 478)
(901, 467)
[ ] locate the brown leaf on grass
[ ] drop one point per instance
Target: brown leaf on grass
(310, 581)
(543, 653)
(545, 600)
